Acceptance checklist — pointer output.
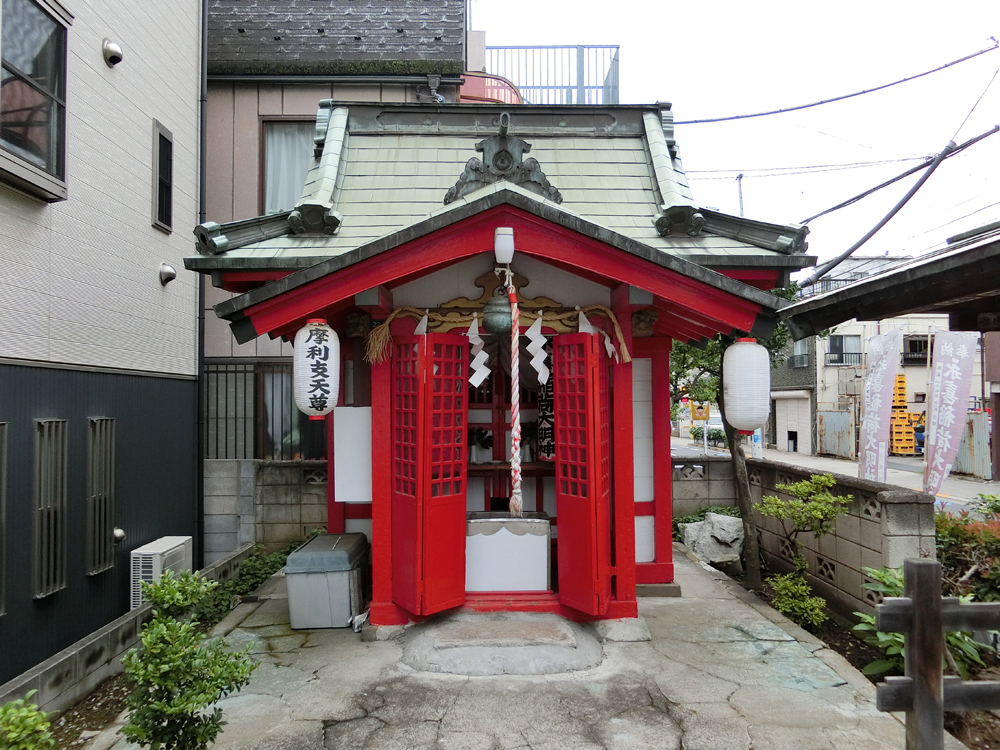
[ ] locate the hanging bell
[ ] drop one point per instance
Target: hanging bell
(497, 316)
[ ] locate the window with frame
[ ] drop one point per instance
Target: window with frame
(251, 413)
(163, 177)
(49, 548)
(100, 495)
(844, 350)
(3, 512)
(915, 350)
(288, 148)
(800, 354)
(33, 96)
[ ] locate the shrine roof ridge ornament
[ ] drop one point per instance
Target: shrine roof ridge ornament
(503, 159)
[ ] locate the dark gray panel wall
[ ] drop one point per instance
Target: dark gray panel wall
(156, 483)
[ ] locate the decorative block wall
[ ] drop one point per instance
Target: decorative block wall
(702, 480)
(884, 526)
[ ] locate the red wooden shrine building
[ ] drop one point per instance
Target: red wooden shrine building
(611, 252)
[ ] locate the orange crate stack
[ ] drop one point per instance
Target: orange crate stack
(902, 441)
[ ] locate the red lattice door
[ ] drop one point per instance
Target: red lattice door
(583, 481)
(429, 412)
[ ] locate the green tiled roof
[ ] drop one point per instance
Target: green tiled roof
(622, 176)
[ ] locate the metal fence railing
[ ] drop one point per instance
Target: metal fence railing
(568, 74)
(851, 359)
(250, 413)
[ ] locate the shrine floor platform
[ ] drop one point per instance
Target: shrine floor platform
(720, 671)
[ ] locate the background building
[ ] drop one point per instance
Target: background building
(817, 395)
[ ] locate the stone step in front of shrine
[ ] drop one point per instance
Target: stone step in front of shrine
(495, 643)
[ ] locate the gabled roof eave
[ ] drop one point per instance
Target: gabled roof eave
(473, 204)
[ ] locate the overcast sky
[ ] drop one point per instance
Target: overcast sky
(714, 59)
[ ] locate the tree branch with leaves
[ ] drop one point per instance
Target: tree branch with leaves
(697, 373)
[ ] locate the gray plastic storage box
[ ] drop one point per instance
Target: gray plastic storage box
(324, 579)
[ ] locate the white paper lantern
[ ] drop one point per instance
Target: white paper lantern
(746, 372)
(316, 369)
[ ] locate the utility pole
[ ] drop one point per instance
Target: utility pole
(739, 187)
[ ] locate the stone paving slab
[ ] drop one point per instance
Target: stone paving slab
(721, 671)
(501, 643)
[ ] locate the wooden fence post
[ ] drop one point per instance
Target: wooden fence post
(924, 653)
(923, 617)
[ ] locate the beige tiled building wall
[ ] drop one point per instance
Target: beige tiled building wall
(79, 279)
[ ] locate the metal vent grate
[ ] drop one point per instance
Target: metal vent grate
(49, 564)
(100, 495)
(3, 509)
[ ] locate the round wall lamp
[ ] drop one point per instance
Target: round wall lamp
(112, 53)
(167, 273)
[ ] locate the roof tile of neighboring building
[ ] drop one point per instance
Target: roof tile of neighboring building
(336, 37)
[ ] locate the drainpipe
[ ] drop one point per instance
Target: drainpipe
(200, 400)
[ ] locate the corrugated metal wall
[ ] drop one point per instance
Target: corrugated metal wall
(155, 495)
(835, 434)
(973, 455)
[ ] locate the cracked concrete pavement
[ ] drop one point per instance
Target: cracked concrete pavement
(722, 671)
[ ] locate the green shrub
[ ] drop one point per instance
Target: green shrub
(988, 505)
(699, 515)
(715, 435)
(889, 582)
(254, 570)
(969, 552)
(794, 599)
(812, 508)
(178, 674)
(23, 726)
(173, 595)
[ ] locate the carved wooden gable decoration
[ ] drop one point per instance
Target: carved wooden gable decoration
(503, 159)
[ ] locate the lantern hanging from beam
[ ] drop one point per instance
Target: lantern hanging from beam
(746, 373)
(316, 369)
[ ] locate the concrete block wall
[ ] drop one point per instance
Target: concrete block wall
(884, 526)
(701, 481)
(66, 677)
(261, 502)
(229, 513)
(290, 500)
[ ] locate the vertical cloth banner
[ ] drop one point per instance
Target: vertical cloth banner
(883, 361)
(952, 375)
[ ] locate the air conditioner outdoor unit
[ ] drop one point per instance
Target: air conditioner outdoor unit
(150, 561)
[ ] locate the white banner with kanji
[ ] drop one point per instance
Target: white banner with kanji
(883, 361)
(953, 358)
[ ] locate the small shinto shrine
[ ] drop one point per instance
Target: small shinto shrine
(506, 284)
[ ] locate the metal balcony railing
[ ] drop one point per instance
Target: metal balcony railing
(568, 74)
(914, 359)
(844, 359)
(798, 360)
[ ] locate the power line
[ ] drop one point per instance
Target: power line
(809, 167)
(952, 221)
(941, 157)
(976, 104)
(729, 174)
(839, 98)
